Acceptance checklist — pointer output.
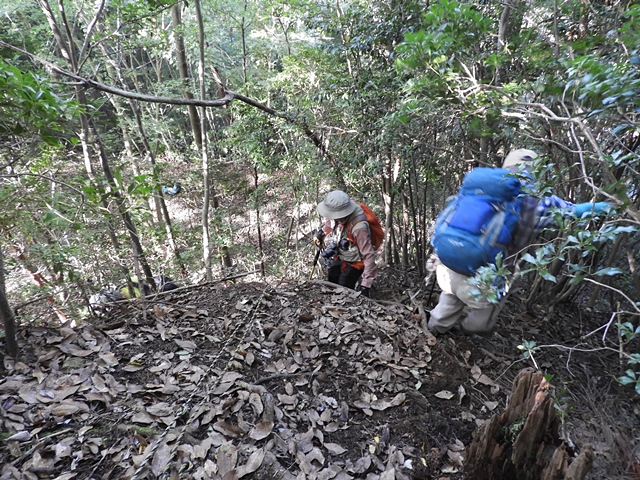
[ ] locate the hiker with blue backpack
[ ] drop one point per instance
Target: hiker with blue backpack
(349, 240)
(492, 215)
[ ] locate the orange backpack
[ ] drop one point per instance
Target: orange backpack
(377, 233)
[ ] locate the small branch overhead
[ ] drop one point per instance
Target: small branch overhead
(87, 82)
(218, 103)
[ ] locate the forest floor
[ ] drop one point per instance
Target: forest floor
(297, 380)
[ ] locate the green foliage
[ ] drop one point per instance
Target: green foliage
(628, 32)
(562, 403)
(511, 431)
(528, 349)
(443, 63)
(631, 377)
(491, 281)
(602, 85)
(543, 257)
(453, 30)
(29, 105)
(628, 333)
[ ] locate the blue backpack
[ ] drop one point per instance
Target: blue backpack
(479, 223)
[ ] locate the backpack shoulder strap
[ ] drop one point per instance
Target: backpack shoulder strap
(357, 223)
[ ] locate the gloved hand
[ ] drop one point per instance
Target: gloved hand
(318, 238)
(588, 208)
(364, 291)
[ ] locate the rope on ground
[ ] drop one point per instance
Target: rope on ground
(186, 407)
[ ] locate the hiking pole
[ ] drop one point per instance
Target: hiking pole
(431, 279)
(318, 241)
(315, 262)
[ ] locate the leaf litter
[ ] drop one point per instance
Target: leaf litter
(299, 381)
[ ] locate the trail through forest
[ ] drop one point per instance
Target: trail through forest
(295, 380)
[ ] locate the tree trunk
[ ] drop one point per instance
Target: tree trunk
(68, 51)
(404, 233)
(258, 227)
(181, 57)
(138, 252)
(6, 314)
(502, 27)
(204, 153)
(387, 197)
(162, 212)
(523, 442)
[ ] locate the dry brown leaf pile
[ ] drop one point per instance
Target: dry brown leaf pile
(251, 386)
(298, 381)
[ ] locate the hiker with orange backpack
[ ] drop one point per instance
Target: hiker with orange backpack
(350, 236)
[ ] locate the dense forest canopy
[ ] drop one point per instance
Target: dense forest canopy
(194, 139)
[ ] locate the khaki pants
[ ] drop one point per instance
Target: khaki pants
(456, 294)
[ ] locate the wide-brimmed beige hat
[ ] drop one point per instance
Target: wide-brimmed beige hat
(516, 157)
(336, 204)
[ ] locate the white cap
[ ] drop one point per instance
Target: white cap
(519, 156)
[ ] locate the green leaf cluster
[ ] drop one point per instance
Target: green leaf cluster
(29, 105)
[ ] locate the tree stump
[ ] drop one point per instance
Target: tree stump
(523, 442)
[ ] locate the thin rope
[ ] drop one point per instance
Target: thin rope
(186, 407)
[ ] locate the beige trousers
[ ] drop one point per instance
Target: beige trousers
(457, 294)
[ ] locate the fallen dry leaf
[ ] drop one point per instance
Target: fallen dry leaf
(226, 458)
(161, 409)
(261, 430)
(253, 463)
(455, 457)
(491, 405)
(445, 394)
(334, 448)
(186, 344)
(22, 436)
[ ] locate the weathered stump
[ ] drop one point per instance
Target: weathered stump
(523, 442)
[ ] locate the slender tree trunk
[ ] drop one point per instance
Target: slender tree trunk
(243, 36)
(387, 197)
(161, 206)
(344, 38)
(162, 212)
(138, 252)
(419, 233)
(181, 57)
(503, 26)
(556, 35)
(68, 52)
(204, 145)
(404, 234)
(9, 321)
(116, 78)
(259, 228)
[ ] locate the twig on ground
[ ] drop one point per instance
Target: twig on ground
(38, 445)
